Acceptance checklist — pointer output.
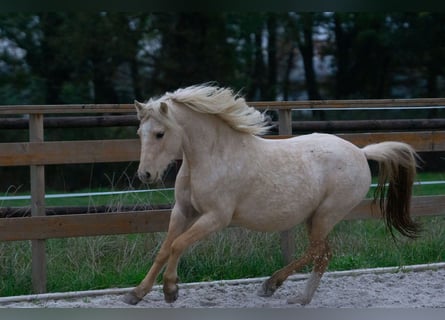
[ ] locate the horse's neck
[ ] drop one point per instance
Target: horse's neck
(206, 137)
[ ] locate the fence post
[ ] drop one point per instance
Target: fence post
(288, 236)
(37, 175)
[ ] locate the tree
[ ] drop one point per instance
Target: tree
(306, 46)
(272, 70)
(193, 49)
(363, 55)
(104, 46)
(299, 32)
(419, 42)
(36, 35)
(246, 33)
(79, 57)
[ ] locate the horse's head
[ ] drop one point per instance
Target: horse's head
(160, 139)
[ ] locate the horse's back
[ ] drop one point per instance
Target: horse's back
(328, 162)
(317, 152)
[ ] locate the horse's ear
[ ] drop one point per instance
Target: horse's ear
(164, 108)
(139, 108)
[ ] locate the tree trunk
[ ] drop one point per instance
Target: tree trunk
(306, 47)
(307, 51)
(270, 92)
(49, 69)
(289, 66)
(342, 56)
(258, 88)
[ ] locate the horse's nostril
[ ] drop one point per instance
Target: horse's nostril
(144, 176)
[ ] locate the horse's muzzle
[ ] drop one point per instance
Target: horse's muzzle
(145, 177)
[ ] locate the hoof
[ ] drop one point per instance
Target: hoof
(131, 298)
(299, 300)
(266, 289)
(171, 296)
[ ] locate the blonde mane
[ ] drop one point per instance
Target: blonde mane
(222, 102)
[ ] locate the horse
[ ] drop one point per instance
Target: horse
(230, 175)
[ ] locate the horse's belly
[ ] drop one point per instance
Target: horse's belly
(272, 215)
(278, 223)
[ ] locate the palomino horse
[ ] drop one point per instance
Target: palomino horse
(230, 176)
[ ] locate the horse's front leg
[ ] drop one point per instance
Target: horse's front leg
(178, 224)
(204, 225)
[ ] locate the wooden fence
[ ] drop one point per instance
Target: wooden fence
(37, 153)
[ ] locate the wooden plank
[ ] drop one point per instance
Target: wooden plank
(287, 237)
(297, 126)
(28, 228)
(36, 136)
(350, 104)
(285, 122)
(350, 126)
(420, 141)
(69, 152)
(48, 227)
(90, 151)
(420, 206)
(283, 105)
(73, 122)
(66, 109)
(25, 211)
(37, 176)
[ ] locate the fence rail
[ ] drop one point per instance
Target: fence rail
(38, 153)
(297, 126)
(423, 103)
(90, 151)
(113, 223)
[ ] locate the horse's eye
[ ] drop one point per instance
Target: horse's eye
(160, 135)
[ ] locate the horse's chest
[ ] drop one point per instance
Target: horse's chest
(203, 201)
(194, 200)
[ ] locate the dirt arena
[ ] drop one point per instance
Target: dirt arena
(420, 286)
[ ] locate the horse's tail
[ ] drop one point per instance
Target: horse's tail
(397, 169)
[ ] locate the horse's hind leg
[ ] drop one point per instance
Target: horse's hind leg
(318, 230)
(318, 252)
(321, 262)
(316, 249)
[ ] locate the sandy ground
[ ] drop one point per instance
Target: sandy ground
(418, 287)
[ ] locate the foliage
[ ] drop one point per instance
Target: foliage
(110, 57)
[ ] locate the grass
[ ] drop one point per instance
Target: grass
(123, 260)
(421, 190)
